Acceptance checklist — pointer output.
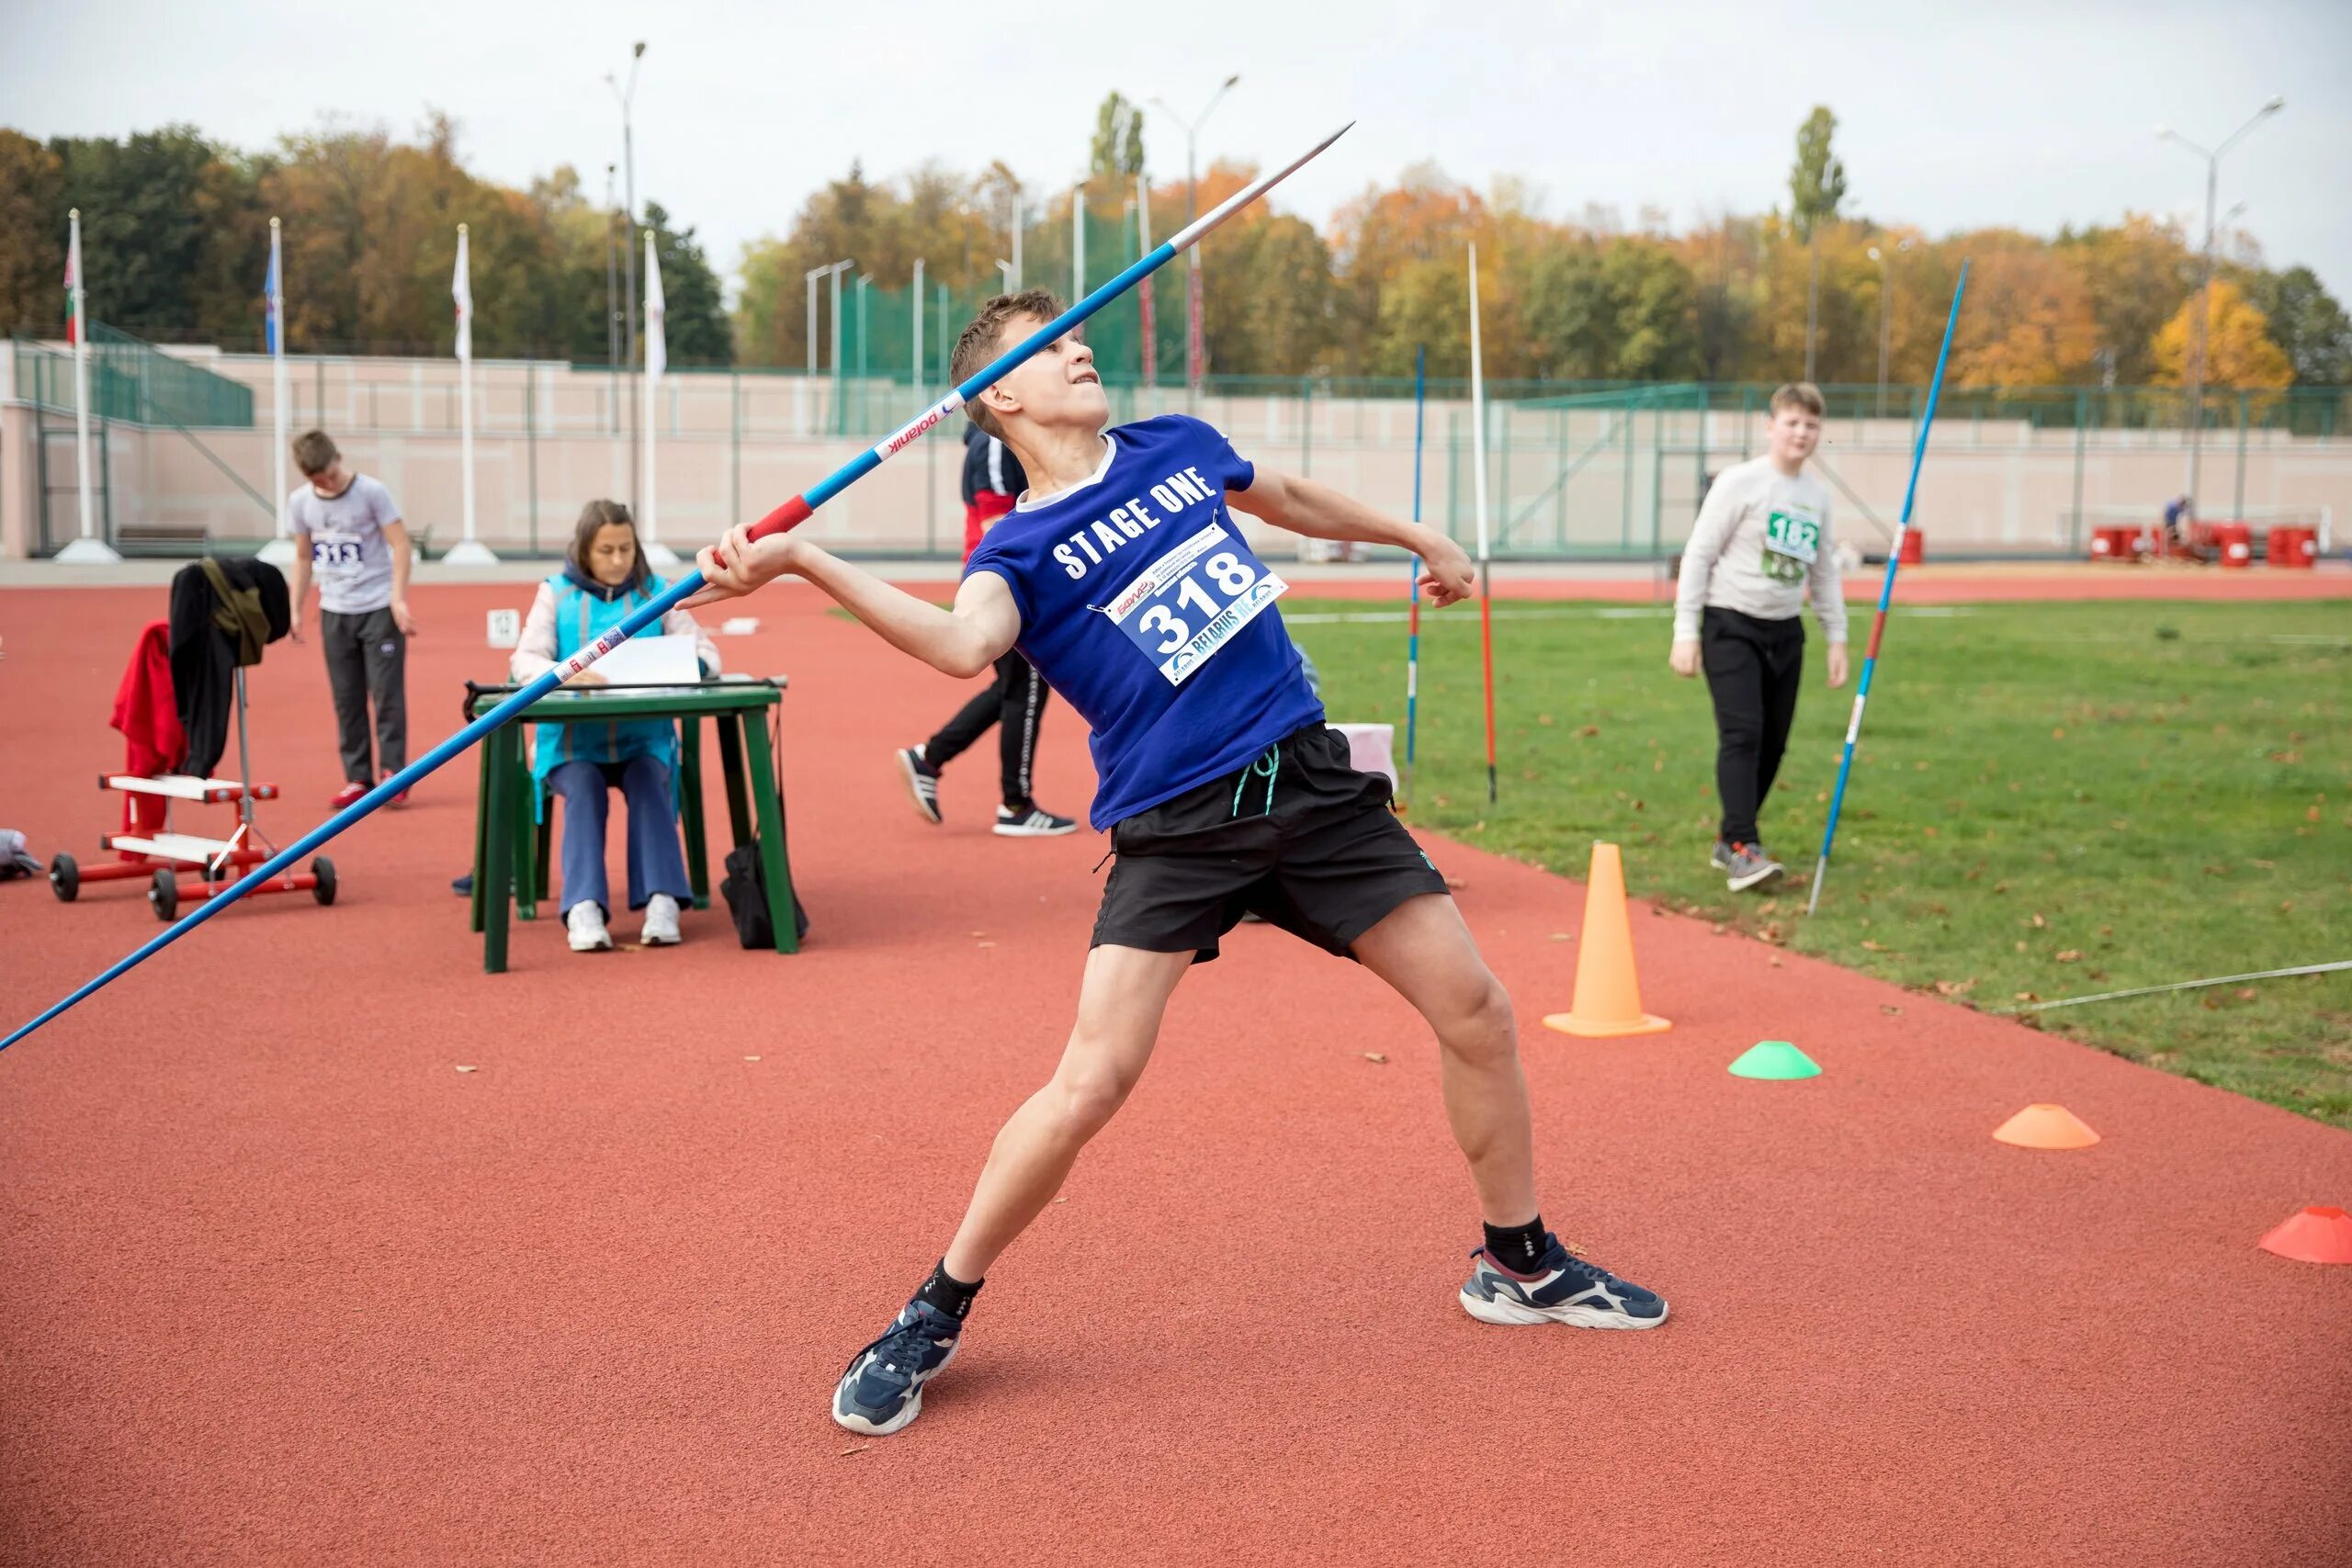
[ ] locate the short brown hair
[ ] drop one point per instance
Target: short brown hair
(314, 452)
(594, 517)
(981, 341)
(1802, 395)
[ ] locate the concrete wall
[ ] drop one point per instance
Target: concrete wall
(1581, 481)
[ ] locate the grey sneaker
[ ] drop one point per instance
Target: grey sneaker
(1744, 865)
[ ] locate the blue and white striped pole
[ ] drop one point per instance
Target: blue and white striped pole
(1413, 619)
(790, 514)
(1885, 593)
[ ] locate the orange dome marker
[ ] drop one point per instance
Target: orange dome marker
(1608, 1000)
(2046, 1127)
(2321, 1233)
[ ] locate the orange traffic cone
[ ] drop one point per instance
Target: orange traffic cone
(1607, 1000)
(2046, 1127)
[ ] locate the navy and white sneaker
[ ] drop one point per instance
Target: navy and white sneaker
(882, 1390)
(1031, 821)
(1564, 1289)
(922, 782)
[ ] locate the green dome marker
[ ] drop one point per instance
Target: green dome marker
(1775, 1059)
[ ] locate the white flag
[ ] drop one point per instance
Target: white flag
(462, 290)
(657, 346)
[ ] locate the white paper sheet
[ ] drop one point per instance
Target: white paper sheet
(652, 662)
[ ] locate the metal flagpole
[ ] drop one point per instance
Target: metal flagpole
(1413, 618)
(1885, 593)
(469, 550)
(791, 515)
(86, 548)
(279, 550)
(657, 363)
(1478, 486)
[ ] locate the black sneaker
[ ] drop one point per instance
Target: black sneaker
(1031, 821)
(1744, 865)
(882, 1390)
(922, 782)
(1563, 1289)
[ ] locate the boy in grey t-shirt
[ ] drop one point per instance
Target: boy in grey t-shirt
(1762, 544)
(348, 532)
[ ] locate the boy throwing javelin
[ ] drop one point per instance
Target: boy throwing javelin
(1123, 577)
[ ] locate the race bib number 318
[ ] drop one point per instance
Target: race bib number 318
(1191, 602)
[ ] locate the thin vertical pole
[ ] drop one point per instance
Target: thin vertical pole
(735, 443)
(2082, 423)
(81, 303)
(281, 392)
(1478, 492)
(1885, 595)
(1077, 243)
(531, 447)
(1143, 289)
(1413, 616)
(2237, 508)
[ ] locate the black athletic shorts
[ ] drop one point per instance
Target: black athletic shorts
(1298, 838)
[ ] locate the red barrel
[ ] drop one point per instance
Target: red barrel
(2118, 543)
(2235, 541)
(1914, 547)
(2297, 549)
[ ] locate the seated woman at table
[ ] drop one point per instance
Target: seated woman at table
(605, 577)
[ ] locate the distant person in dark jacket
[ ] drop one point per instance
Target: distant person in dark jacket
(1015, 699)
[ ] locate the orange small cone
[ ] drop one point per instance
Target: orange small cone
(1608, 1000)
(2321, 1233)
(2046, 1127)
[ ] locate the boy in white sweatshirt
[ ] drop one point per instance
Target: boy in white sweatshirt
(1761, 542)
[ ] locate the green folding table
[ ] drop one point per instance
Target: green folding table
(510, 838)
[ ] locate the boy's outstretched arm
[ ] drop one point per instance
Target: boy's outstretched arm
(963, 641)
(1319, 512)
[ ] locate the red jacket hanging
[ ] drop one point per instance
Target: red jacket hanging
(148, 715)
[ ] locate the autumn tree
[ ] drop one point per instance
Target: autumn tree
(1817, 187)
(2238, 349)
(32, 245)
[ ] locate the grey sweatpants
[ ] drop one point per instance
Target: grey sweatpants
(367, 659)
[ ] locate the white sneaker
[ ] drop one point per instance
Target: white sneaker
(660, 922)
(585, 925)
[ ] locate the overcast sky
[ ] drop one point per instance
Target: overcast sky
(1951, 116)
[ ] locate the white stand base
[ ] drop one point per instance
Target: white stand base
(660, 555)
(469, 552)
(278, 552)
(88, 552)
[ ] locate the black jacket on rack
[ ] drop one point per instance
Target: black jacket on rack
(223, 611)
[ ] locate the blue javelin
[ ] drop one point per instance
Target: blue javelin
(1885, 593)
(791, 515)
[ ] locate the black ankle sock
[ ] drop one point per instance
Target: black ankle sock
(948, 1294)
(1517, 1248)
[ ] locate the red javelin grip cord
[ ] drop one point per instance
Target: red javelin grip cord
(791, 515)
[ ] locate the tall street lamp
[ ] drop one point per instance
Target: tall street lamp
(1193, 353)
(2205, 286)
(629, 177)
(1885, 321)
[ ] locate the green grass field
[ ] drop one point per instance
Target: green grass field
(2049, 800)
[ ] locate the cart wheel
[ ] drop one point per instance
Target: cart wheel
(64, 877)
(323, 869)
(163, 894)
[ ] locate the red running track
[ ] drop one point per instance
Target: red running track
(279, 1285)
